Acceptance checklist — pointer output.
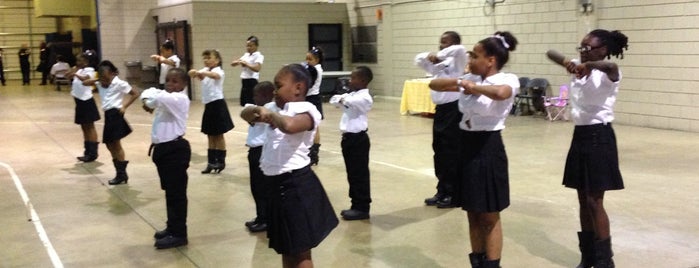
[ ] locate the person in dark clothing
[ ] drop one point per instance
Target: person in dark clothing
(43, 66)
(24, 54)
(2, 68)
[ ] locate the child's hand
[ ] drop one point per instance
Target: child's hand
(581, 70)
(235, 63)
(433, 58)
(155, 57)
(193, 73)
(122, 110)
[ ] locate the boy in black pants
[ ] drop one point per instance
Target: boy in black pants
(355, 141)
(263, 93)
(171, 153)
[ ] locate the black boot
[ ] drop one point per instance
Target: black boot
(121, 176)
(476, 259)
(211, 164)
(313, 153)
(90, 153)
(490, 263)
(586, 242)
(603, 254)
(220, 160)
(217, 161)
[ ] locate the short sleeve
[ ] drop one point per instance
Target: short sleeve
(260, 58)
(294, 108)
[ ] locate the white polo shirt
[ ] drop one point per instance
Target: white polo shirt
(212, 89)
(171, 112)
(481, 113)
(315, 90)
(113, 95)
(452, 65)
(592, 98)
(284, 152)
(78, 90)
(355, 106)
(164, 67)
(255, 57)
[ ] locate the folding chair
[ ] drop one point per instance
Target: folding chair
(522, 95)
(537, 90)
(61, 79)
(556, 107)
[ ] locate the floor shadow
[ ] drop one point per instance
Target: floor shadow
(407, 216)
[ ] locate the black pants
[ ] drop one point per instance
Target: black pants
(246, 91)
(44, 76)
(355, 151)
(445, 144)
(2, 73)
(260, 184)
(172, 160)
(25, 72)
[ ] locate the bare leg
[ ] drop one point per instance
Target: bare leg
(217, 142)
(116, 150)
(316, 138)
(491, 229)
(593, 216)
(477, 242)
(89, 132)
(302, 260)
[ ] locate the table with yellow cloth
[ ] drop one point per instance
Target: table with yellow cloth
(416, 97)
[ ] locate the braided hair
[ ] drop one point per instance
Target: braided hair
(615, 41)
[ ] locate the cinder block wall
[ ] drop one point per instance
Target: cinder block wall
(659, 69)
(281, 27)
(126, 31)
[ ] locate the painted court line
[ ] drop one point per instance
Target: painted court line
(34, 217)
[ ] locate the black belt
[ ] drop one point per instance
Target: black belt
(152, 145)
(354, 133)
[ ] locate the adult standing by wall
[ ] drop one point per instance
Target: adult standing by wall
(24, 54)
(43, 66)
(2, 68)
(251, 63)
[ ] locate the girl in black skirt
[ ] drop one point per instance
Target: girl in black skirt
(85, 107)
(216, 119)
(250, 65)
(487, 98)
(300, 215)
(314, 58)
(112, 92)
(592, 166)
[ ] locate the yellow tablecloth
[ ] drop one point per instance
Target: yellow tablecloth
(416, 97)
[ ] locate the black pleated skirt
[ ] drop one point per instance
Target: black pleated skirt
(216, 119)
(86, 111)
(300, 214)
(593, 162)
(115, 126)
(318, 102)
(484, 176)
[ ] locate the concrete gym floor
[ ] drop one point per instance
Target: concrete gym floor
(654, 221)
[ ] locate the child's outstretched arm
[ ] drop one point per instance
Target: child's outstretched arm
(287, 124)
(90, 82)
(160, 59)
(444, 84)
(584, 69)
(495, 92)
(202, 74)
